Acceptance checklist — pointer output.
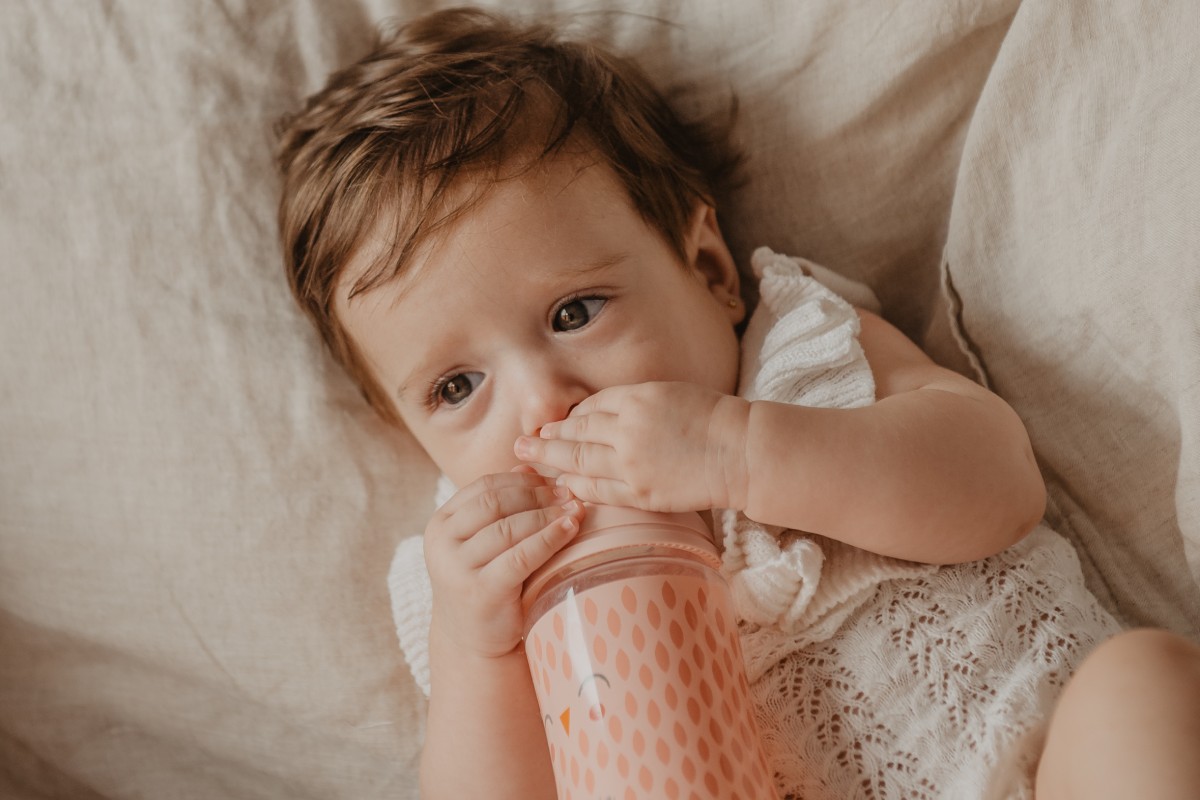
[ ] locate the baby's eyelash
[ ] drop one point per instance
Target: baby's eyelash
(433, 395)
(576, 297)
(433, 392)
(468, 381)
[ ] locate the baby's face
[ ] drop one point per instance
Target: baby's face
(548, 291)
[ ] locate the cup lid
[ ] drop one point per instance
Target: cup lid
(610, 528)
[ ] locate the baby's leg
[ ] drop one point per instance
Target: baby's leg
(1128, 723)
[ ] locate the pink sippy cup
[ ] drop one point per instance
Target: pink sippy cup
(633, 647)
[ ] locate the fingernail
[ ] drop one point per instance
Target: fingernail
(572, 507)
(523, 447)
(562, 493)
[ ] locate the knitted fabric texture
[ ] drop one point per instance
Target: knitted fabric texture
(872, 677)
(801, 347)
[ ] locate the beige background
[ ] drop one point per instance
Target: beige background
(197, 510)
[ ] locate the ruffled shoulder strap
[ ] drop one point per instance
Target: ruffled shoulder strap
(801, 346)
(412, 606)
(412, 595)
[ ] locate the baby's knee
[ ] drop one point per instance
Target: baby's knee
(1138, 662)
(1147, 648)
(1128, 724)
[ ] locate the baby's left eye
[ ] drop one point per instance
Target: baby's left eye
(577, 313)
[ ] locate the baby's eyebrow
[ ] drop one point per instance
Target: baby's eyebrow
(598, 265)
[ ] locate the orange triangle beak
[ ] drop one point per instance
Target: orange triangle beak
(566, 719)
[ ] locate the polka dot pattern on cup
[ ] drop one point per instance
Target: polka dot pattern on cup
(644, 693)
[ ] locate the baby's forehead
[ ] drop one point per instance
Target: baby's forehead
(396, 246)
(399, 247)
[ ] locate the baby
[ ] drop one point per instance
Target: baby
(511, 243)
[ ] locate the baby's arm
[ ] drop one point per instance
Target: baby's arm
(484, 735)
(938, 470)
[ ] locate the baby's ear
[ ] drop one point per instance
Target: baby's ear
(708, 254)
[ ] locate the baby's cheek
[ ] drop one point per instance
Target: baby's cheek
(467, 455)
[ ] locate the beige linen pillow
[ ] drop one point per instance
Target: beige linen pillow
(197, 510)
(1073, 247)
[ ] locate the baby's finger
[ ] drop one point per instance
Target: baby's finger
(505, 534)
(540, 469)
(490, 507)
(601, 401)
(597, 428)
(511, 567)
(585, 458)
(604, 491)
(469, 493)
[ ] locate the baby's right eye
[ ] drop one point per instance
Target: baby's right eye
(454, 389)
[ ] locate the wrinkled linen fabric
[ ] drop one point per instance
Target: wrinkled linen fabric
(197, 508)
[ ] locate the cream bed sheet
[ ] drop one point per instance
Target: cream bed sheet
(197, 511)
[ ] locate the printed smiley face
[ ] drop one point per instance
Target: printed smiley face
(595, 709)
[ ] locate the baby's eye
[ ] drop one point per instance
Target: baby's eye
(575, 314)
(456, 388)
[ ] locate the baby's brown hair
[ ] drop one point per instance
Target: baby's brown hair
(456, 93)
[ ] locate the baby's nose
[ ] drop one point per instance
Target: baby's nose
(551, 402)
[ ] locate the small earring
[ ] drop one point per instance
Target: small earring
(732, 302)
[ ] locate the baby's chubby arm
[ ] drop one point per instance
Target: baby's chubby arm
(938, 470)
(484, 735)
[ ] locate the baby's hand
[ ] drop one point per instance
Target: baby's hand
(656, 446)
(482, 545)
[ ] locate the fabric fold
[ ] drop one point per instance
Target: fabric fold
(801, 347)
